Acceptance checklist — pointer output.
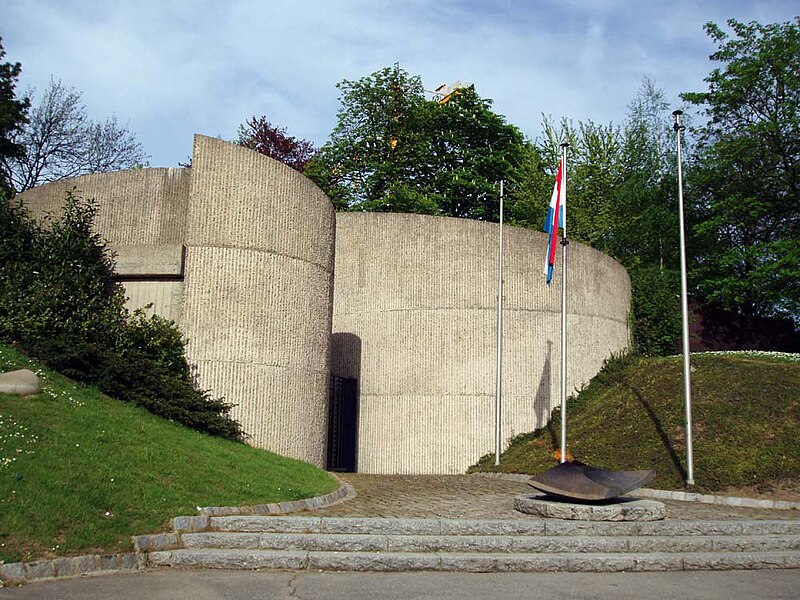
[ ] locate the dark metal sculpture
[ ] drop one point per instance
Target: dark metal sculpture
(575, 481)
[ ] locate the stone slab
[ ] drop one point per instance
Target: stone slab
(621, 509)
(23, 382)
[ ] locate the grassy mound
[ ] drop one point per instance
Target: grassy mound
(746, 423)
(80, 472)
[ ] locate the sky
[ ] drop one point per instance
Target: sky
(172, 68)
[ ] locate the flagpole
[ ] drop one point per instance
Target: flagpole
(499, 373)
(564, 243)
(687, 381)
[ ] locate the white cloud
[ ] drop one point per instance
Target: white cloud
(175, 67)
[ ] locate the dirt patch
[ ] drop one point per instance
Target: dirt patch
(781, 490)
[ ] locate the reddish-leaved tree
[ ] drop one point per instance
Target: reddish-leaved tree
(260, 135)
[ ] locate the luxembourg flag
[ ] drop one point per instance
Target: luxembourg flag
(555, 219)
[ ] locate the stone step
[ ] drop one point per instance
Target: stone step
(347, 542)
(450, 561)
(531, 527)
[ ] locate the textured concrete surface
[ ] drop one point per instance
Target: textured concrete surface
(143, 260)
(136, 207)
(624, 509)
(257, 294)
(415, 304)
(142, 214)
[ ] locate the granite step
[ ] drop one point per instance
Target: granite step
(347, 542)
(380, 544)
(529, 527)
(469, 562)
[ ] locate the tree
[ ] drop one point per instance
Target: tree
(747, 170)
(622, 201)
(60, 140)
(260, 135)
(394, 150)
(469, 148)
(12, 115)
(373, 147)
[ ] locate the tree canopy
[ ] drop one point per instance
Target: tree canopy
(746, 172)
(395, 150)
(260, 135)
(59, 140)
(12, 114)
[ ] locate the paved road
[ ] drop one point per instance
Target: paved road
(247, 585)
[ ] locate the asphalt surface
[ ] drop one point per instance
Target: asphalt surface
(249, 585)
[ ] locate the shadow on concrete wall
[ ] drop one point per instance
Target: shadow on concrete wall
(542, 400)
(343, 405)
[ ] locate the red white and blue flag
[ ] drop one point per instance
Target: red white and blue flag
(555, 219)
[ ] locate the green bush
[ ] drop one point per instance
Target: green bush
(59, 303)
(657, 311)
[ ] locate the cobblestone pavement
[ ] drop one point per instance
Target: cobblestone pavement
(477, 497)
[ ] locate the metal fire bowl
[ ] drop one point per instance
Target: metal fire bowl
(573, 480)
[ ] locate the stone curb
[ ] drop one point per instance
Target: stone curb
(676, 495)
(97, 564)
(201, 522)
(68, 566)
(723, 500)
(345, 492)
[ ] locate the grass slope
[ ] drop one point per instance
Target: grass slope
(81, 472)
(746, 423)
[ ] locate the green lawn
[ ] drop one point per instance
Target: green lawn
(746, 422)
(80, 472)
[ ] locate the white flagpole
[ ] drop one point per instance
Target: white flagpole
(564, 244)
(499, 374)
(687, 381)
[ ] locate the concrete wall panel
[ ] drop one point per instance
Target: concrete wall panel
(418, 293)
(257, 294)
(136, 207)
(165, 297)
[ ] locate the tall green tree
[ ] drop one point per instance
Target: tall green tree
(12, 115)
(374, 150)
(622, 201)
(394, 150)
(747, 170)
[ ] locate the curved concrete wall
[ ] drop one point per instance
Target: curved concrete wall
(142, 214)
(140, 207)
(415, 304)
(257, 294)
(238, 249)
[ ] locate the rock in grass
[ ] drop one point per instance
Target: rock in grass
(23, 382)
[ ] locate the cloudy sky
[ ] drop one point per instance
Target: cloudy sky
(170, 68)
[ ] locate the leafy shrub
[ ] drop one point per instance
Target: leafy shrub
(59, 303)
(656, 306)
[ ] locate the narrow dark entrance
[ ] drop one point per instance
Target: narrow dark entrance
(342, 424)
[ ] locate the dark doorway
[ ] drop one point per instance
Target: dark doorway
(342, 424)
